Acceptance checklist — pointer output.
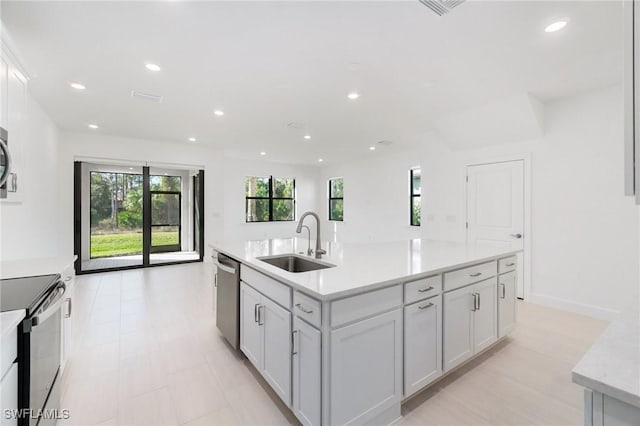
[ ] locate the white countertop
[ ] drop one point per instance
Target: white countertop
(612, 365)
(359, 266)
(34, 267)
(9, 320)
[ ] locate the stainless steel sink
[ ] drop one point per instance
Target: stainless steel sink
(295, 263)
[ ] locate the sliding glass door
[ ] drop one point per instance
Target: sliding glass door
(127, 217)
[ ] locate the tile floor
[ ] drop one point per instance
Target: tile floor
(147, 352)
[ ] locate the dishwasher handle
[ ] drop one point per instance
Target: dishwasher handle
(224, 268)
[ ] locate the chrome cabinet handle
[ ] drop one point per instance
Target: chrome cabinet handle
(256, 307)
(428, 305)
(68, 313)
(294, 351)
(477, 274)
(260, 315)
(478, 300)
(12, 182)
(303, 309)
(475, 302)
(504, 290)
(422, 290)
(511, 264)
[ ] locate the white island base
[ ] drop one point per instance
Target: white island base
(354, 359)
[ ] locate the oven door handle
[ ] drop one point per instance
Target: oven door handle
(54, 305)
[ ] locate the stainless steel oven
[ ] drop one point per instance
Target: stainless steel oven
(39, 340)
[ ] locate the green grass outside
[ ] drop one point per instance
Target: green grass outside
(127, 244)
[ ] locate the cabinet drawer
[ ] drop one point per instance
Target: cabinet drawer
(8, 350)
(308, 309)
(470, 274)
(422, 289)
(274, 290)
(363, 305)
(507, 264)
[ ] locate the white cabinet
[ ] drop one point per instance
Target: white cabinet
(265, 338)
(9, 395)
(485, 316)
(306, 372)
(250, 332)
(604, 410)
(506, 303)
(276, 328)
(470, 321)
(13, 96)
(422, 344)
(68, 275)
(366, 368)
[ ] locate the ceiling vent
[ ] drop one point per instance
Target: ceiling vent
(146, 96)
(441, 7)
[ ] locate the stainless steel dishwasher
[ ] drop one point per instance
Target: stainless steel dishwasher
(227, 281)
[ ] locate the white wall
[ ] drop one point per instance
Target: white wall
(235, 172)
(376, 197)
(97, 147)
(585, 232)
(30, 229)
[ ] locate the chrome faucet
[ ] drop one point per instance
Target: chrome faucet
(319, 251)
(309, 251)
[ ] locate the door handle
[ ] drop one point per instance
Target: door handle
(475, 302)
(516, 235)
(478, 301)
(294, 351)
(256, 314)
(260, 316)
(504, 290)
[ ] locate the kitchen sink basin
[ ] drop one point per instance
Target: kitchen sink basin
(295, 263)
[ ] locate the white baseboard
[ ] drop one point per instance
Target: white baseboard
(575, 307)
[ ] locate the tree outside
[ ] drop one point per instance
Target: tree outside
(260, 202)
(116, 213)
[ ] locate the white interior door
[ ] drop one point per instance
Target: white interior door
(495, 208)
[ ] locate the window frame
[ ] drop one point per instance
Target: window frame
(412, 195)
(270, 198)
(331, 198)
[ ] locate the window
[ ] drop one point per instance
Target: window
(270, 199)
(414, 199)
(336, 199)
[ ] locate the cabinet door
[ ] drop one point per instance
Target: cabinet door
(4, 93)
(276, 327)
(9, 395)
(458, 327)
(366, 368)
(250, 331)
(506, 303)
(306, 372)
(422, 344)
(485, 318)
(67, 319)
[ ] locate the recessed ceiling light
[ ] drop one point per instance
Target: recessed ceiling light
(218, 112)
(353, 95)
(372, 148)
(263, 153)
(307, 137)
(320, 160)
(77, 86)
(130, 168)
(153, 67)
(556, 26)
(192, 139)
(93, 126)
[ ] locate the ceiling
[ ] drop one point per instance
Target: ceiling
(267, 64)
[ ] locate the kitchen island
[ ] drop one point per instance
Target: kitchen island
(348, 343)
